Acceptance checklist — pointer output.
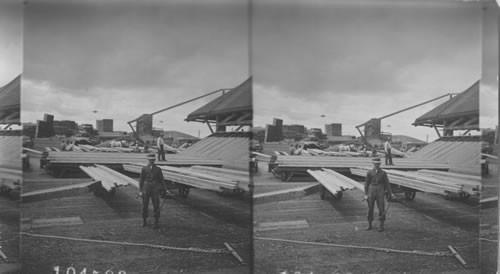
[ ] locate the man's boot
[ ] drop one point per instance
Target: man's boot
(381, 227)
(369, 226)
(144, 222)
(157, 224)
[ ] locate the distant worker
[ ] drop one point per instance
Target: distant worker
(291, 151)
(160, 143)
(376, 185)
(151, 185)
(63, 146)
(388, 154)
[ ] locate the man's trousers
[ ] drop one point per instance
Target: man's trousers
(151, 191)
(376, 195)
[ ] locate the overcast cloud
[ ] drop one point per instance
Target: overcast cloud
(489, 79)
(352, 62)
(124, 59)
(10, 40)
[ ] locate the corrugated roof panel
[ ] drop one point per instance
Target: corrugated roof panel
(237, 99)
(10, 94)
(464, 104)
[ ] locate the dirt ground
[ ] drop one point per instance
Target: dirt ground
(489, 221)
(204, 220)
(9, 234)
(429, 223)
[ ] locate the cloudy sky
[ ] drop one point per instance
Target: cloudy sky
(356, 60)
(489, 78)
(10, 40)
(123, 58)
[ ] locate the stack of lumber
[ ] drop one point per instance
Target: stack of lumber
(334, 181)
(311, 162)
(69, 157)
(10, 151)
(87, 148)
(438, 182)
(217, 179)
(462, 156)
(109, 178)
(230, 148)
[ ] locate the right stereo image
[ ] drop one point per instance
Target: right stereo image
(379, 149)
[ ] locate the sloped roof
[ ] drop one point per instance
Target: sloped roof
(10, 94)
(236, 100)
(464, 104)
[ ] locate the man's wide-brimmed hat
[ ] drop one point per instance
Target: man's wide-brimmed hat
(151, 157)
(376, 160)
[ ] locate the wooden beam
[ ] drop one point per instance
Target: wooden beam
(209, 126)
(284, 195)
(437, 131)
(228, 118)
(237, 123)
(244, 116)
(58, 192)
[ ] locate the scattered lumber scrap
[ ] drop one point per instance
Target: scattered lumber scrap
(319, 152)
(334, 181)
(422, 181)
(109, 178)
(201, 177)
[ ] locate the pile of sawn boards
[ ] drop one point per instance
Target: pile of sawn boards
(302, 163)
(333, 181)
(109, 178)
(431, 181)
(55, 158)
(217, 179)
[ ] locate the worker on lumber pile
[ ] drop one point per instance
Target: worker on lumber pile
(291, 151)
(376, 185)
(388, 154)
(160, 143)
(151, 186)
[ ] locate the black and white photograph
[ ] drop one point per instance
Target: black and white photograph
(10, 135)
(137, 117)
(366, 130)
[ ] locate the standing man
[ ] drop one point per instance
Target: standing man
(160, 143)
(376, 185)
(388, 154)
(151, 184)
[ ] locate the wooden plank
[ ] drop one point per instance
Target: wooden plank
(57, 192)
(38, 223)
(286, 194)
(32, 150)
(297, 224)
(350, 181)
